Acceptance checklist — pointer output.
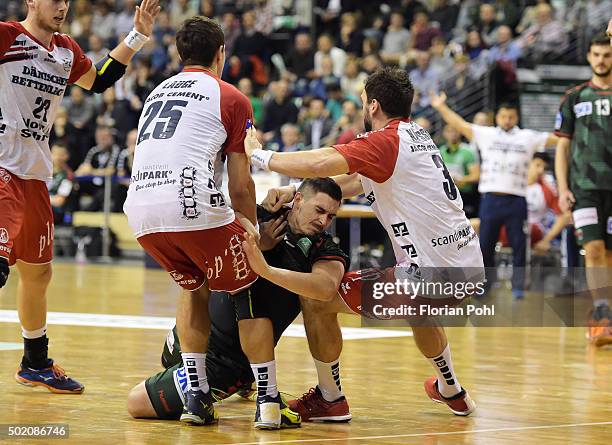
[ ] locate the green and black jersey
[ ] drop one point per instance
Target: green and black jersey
(584, 117)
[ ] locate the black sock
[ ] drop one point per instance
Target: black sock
(35, 352)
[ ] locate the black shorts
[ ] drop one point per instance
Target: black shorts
(227, 368)
(593, 216)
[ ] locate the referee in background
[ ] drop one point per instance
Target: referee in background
(505, 153)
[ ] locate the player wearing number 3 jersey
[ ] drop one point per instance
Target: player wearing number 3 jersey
(401, 172)
(37, 63)
(175, 206)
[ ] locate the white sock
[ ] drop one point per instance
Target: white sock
(447, 380)
(37, 333)
(195, 368)
(329, 379)
(265, 378)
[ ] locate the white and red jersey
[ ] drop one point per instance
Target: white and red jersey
(188, 122)
(542, 201)
(33, 79)
(413, 196)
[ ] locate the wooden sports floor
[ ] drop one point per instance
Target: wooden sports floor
(531, 385)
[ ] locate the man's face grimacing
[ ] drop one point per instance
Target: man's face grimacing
(312, 213)
(49, 14)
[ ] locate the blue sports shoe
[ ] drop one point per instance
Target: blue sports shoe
(53, 378)
(199, 409)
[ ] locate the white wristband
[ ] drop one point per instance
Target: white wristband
(257, 227)
(261, 159)
(135, 40)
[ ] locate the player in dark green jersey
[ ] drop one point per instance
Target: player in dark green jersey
(583, 167)
(303, 247)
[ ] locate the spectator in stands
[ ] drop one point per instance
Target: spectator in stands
(264, 16)
(546, 40)
(63, 133)
(441, 59)
(464, 86)
(101, 161)
(163, 30)
(250, 53)
(505, 50)
(335, 97)
(348, 126)
(61, 184)
(590, 13)
(231, 30)
(462, 164)
(375, 32)
(103, 22)
(180, 10)
(508, 13)
(505, 152)
(278, 111)
(396, 39)
(300, 58)
(246, 87)
(81, 28)
(445, 14)
(325, 77)
(410, 8)
(529, 16)
(487, 23)
(474, 44)
(422, 32)
(125, 19)
(81, 111)
(424, 77)
(97, 50)
(351, 37)
(327, 15)
(124, 170)
(326, 47)
(117, 114)
(317, 125)
(469, 11)
(290, 138)
(353, 81)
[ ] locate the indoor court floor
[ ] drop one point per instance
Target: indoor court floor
(107, 325)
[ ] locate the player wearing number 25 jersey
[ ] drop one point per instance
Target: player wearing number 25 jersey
(37, 63)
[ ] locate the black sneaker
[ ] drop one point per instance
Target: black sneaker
(199, 409)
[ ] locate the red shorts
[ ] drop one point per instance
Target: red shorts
(194, 257)
(362, 292)
(26, 220)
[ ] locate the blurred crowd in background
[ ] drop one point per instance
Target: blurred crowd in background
(303, 64)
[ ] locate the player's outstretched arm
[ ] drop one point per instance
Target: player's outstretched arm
(320, 284)
(438, 102)
(350, 185)
(241, 186)
(109, 70)
(566, 197)
(302, 164)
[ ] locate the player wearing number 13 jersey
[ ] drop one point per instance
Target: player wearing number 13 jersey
(174, 204)
(37, 63)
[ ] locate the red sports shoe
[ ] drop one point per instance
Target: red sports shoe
(312, 407)
(460, 404)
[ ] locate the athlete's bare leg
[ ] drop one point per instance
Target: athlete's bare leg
(322, 328)
(193, 320)
(139, 405)
(431, 341)
(32, 294)
(257, 339)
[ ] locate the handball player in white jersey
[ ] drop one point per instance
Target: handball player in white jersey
(401, 172)
(175, 206)
(37, 63)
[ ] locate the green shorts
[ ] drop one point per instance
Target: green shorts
(593, 216)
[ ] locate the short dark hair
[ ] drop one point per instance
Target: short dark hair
(543, 156)
(507, 106)
(198, 40)
(322, 185)
(393, 90)
(599, 39)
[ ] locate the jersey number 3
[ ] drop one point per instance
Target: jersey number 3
(164, 129)
(449, 186)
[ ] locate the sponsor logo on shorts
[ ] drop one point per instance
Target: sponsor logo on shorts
(4, 236)
(180, 382)
(46, 239)
(215, 272)
(5, 176)
(176, 276)
(239, 261)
